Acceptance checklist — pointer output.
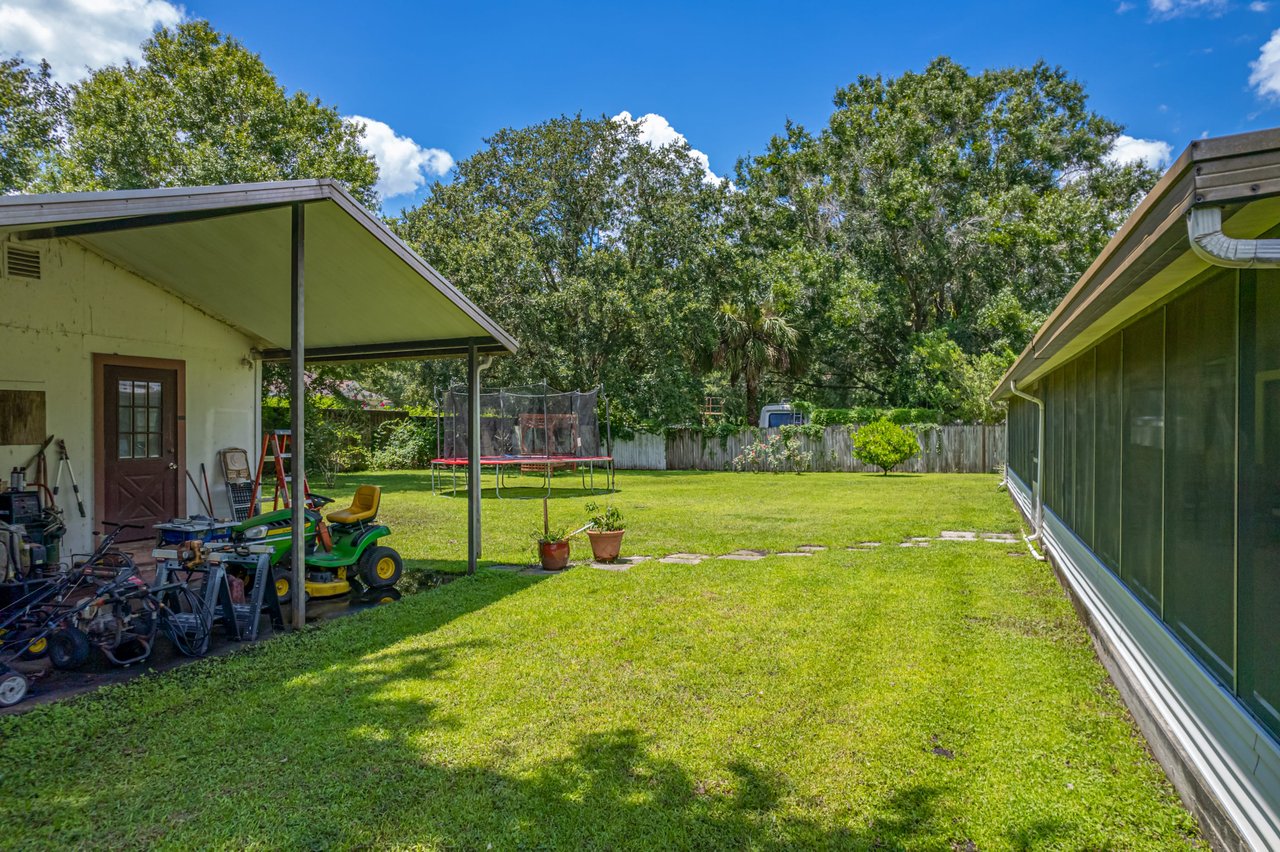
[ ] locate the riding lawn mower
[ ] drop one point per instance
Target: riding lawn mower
(342, 550)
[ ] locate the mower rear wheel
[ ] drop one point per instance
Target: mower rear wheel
(68, 648)
(13, 687)
(381, 567)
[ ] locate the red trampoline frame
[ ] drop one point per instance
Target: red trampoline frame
(547, 463)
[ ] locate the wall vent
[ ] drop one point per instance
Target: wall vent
(21, 262)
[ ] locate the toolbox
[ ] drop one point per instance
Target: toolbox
(194, 528)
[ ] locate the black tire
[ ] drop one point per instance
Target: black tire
(381, 567)
(13, 687)
(68, 648)
(283, 578)
(35, 649)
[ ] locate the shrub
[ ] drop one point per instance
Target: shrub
(884, 445)
(403, 444)
(778, 453)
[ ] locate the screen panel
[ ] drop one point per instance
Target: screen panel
(1200, 482)
(1108, 437)
(1142, 482)
(1258, 683)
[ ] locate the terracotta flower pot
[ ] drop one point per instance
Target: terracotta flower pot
(605, 545)
(554, 554)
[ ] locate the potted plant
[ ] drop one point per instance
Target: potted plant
(605, 532)
(553, 545)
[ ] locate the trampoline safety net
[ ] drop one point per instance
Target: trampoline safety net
(523, 421)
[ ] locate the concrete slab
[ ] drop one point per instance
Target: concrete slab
(914, 543)
(812, 548)
(745, 555)
(1004, 538)
(958, 535)
(684, 558)
(623, 563)
(868, 544)
(795, 553)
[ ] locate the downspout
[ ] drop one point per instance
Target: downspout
(1204, 229)
(1037, 486)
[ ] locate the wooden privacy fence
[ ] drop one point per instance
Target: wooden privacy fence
(943, 449)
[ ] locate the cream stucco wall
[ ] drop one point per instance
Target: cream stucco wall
(49, 331)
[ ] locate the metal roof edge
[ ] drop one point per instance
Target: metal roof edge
(1132, 233)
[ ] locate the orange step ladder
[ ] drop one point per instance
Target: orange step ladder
(278, 443)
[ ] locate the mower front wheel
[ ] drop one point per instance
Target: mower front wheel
(284, 585)
(381, 567)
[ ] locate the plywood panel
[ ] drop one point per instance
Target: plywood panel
(21, 417)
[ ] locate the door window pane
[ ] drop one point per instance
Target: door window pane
(1258, 684)
(1142, 481)
(1199, 503)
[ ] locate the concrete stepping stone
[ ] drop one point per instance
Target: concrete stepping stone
(914, 543)
(1004, 538)
(684, 558)
(745, 555)
(795, 553)
(957, 535)
(535, 571)
(811, 548)
(508, 567)
(864, 545)
(623, 563)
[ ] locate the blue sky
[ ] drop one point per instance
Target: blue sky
(725, 75)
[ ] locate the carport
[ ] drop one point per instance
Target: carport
(298, 267)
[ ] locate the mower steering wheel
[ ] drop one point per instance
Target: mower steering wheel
(318, 500)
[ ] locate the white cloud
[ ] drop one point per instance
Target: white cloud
(1152, 152)
(1259, 6)
(75, 35)
(1264, 72)
(404, 166)
(1166, 9)
(657, 132)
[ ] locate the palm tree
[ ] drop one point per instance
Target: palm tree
(754, 338)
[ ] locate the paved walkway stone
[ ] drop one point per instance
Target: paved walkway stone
(745, 555)
(865, 544)
(915, 543)
(795, 553)
(812, 548)
(957, 535)
(684, 558)
(1006, 538)
(622, 563)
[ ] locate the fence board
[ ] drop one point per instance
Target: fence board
(943, 449)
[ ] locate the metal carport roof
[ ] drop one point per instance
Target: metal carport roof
(226, 251)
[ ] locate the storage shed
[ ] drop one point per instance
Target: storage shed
(1144, 448)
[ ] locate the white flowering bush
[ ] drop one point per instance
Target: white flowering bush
(776, 454)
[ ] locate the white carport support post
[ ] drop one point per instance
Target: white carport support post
(473, 457)
(297, 409)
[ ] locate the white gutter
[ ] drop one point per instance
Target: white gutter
(1039, 481)
(1204, 228)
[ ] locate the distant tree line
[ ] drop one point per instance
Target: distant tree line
(899, 257)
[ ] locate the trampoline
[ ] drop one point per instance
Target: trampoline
(524, 430)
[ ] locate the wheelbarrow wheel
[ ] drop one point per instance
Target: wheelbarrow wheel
(68, 648)
(13, 687)
(381, 567)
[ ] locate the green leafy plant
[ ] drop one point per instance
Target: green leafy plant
(550, 535)
(884, 445)
(608, 519)
(403, 444)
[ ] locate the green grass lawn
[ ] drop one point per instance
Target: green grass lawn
(921, 698)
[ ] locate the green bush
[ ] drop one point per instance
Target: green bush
(884, 445)
(403, 444)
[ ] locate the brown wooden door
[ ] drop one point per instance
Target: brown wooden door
(140, 447)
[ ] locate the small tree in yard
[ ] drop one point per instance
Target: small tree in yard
(884, 445)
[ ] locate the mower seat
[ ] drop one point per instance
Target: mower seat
(364, 505)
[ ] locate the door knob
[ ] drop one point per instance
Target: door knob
(173, 466)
